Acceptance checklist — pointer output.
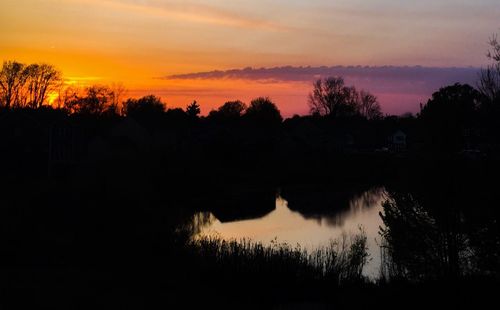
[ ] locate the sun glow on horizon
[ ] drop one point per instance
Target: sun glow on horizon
(52, 97)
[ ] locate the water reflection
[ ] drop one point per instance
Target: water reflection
(305, 229)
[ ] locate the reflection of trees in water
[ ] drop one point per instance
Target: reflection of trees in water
(359, 203)
(419, 245)
(368, 199)
(197, 222)
(326, 210)
(332, 206)
(426, 234)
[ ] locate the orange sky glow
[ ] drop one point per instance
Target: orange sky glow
(137, 42)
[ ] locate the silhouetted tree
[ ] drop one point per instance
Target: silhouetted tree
(369, 106)
(263, 110)
(42, 79)
(145, 107)
(231, 110)
(117, 91)
(331, 97)
(489, 82)
(457, 102)
(412, 244)
(193, 110)
(450, 111)
(68, 98)
(13, 76)
(96, 100)
(176, 116)
(423, 241)
(27, 86)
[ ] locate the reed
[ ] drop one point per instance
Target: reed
(339, 262)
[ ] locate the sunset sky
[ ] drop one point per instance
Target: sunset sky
(154, 46)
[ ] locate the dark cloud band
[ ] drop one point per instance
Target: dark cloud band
(383, 78)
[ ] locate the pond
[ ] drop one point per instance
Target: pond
(308, 230)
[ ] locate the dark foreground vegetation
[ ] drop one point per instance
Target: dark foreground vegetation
(98, 197)
(69, 248)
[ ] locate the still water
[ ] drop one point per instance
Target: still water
(284, 225)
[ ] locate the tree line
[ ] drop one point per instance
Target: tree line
(29, 86)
